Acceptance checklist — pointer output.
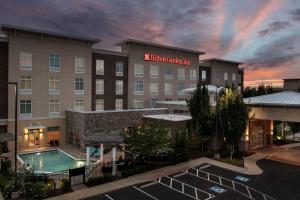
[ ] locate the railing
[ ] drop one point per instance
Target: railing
(236, 186)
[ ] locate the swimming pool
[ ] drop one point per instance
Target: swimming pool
(50, 161)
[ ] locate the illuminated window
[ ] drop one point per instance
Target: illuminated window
(119, 87)
(53, 108)
(99, 67)
(154, 88)
(233, 77)
(79, 105)
(25, 61)
(203, 75)
(168, 89)
(79, 65)
(119, 104)
(181, 73)
(99, 104)
(193, 74)
(25, 85)
(138, 70)
(225, 76)
(99, 86)
(154, 71)
(54, 85)
(138, 104)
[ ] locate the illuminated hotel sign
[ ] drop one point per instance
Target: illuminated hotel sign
(157, 58)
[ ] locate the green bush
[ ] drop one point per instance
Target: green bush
(65, 185)
(209, 153)
(95, 181)
(3, 182)
(6, 167)
(38, 190)
(9, 188)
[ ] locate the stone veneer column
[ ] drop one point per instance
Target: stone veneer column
(101, 152)
(114, 169)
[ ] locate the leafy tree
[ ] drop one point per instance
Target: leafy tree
(233, 117)
(180, 147)
(295, 127)
(261, 90)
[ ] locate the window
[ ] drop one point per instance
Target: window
(99, 104)
(154, 88)
(119, 87)
(233, 77)
(240, 78)
(25, 108)
(25, 85)
(239, 89)
(138, 70)
(225, 76)
(168, 99)
(203, 75)
(138, 104)
(79, 105)
(181, 73)
(79, 65)
(99, 67)
(54, 85)
(168, 73)
(193, 74)
(168, 89)
(193, 86)
(119, 68)
(25, 61)
(119, 104)
(138, 87)
(153, 103)
(54, 62)
(99, 86)
(181, 88)
(154, 71)
(79, 86)
(53, 108)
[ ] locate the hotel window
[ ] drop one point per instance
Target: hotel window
(25, 61)
(138, 70)
(119, 104)
(54, 62)
(181, 73)
(119, 87)
(168, 99)
(203, 75)
(119, 68)
(99, 86)
(138, 104)
(25, 85)
(168, 89)
(53, 108)
(99, 67)
(138, 87)
(54, 85)
(79, 86)
(181, 88)
(168, 72)
(99, 104)
(239, 89)
(233, 77)
(225, 76)
(193, 74)
(240, 78)
(153, 103)
(25, 108)
(154, 71)
(79, 65)
(79, 105)
(154, 88)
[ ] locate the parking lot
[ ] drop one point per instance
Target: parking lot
(211, 182)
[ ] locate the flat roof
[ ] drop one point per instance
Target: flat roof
(221, 60)
(158, 45)
(169, 117)
(104, 51)
(291, 79)
(178, 103)
(7, 27)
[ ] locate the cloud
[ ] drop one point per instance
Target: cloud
(275, 27)
(295, 14)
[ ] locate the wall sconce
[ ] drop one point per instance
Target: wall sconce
(26, 130)
(41, 130)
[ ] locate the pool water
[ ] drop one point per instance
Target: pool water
(50, 161)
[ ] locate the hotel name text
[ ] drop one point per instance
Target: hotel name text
(158, 58)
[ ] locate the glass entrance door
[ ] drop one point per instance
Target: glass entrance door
(33, 138)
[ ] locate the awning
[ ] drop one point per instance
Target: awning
(5, 137)
(35, 126)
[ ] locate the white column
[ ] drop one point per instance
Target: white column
(114, 165)
(101, 152)
(87, 160)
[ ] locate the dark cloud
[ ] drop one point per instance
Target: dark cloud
(275, 27)
(295, 14)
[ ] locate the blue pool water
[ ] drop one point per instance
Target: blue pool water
(50, 161)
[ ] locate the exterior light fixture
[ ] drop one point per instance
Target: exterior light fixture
(26, 130)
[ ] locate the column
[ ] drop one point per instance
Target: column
(123, 152)
(114, 164)
(101, 152)
(87, 155)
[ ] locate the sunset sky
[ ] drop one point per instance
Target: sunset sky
(264, 34)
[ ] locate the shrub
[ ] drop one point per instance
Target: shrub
(5, 167)
(107, 169)
(9, 188)
(95, 181)
(107, 177)
(124, 173)
(65, 185)
(3, 182)
(209, 153)
(38, 190)
(224, 154)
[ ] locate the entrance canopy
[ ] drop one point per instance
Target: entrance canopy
(35, 126)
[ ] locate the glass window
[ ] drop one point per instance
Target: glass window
(119, 68)
(153, 103)
(79, 65)
(168, 89)
(193, 74)
(99, 104)
(225, 76)
(154, 71)
(54, 85)
(168, 72)
(119, 87)
(138, 87)
(99, 86)
(79, 86)
(25, 108)
(25, 61)
(54, 62)
(181, 88)
(25, 85)
(138, 104)
(240, 78)
(203, 75)
(154, 88)
(138, 70)
(119, 104)
(53, 107)
(79, 105)
(181, 73)
(99, 67)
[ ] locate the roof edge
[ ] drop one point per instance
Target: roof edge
(222, 60)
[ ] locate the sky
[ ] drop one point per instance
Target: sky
(263, 34)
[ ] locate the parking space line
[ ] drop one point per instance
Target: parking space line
(149, 195)
(178, 175)
(149, 184)
(205, 166)
(108, 197)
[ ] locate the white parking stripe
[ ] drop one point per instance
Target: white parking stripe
(205, 166)
(109, 197)
(149, 195)
(149, 184)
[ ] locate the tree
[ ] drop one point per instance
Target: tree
(180, 146)
(201, 112)
(233, 117)
(295, 127)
